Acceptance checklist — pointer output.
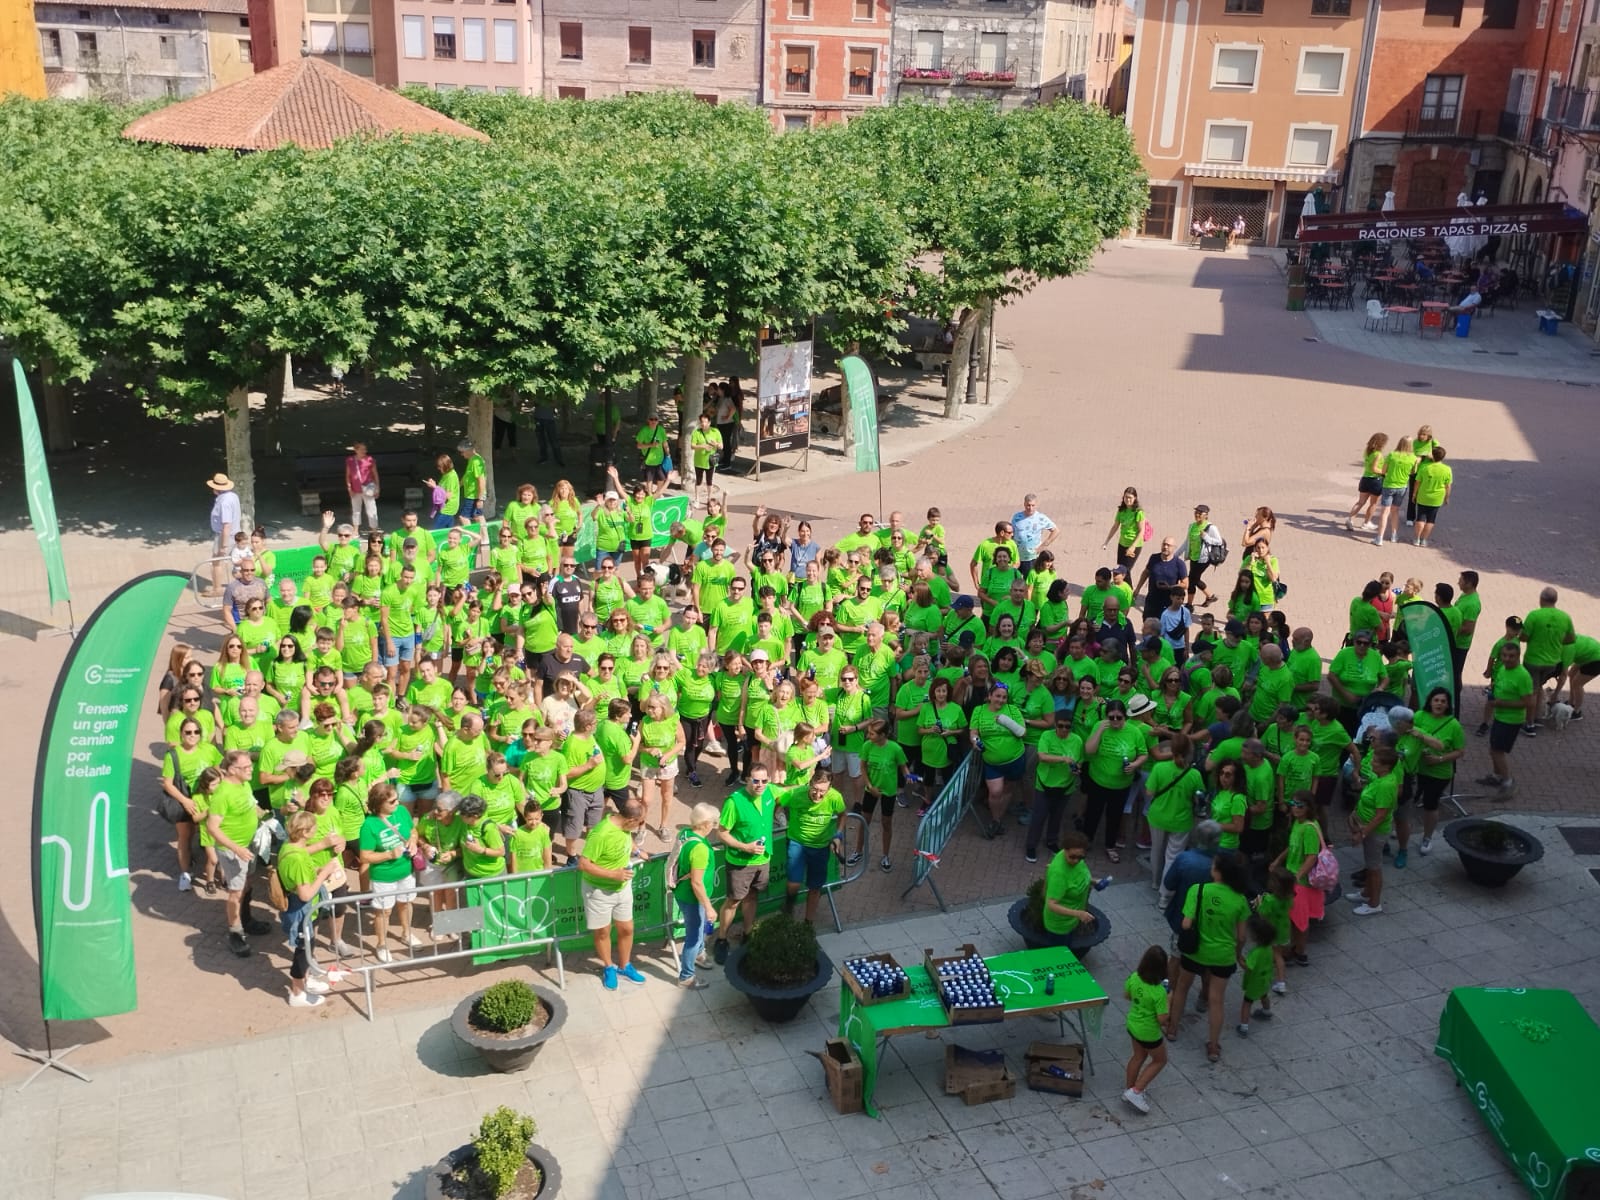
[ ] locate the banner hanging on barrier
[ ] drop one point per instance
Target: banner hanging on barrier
(82, 908)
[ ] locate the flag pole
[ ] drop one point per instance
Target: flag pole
(49, 1059)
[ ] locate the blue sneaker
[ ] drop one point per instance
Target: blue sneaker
(610, 979)
(631, 972)
(1400, 859)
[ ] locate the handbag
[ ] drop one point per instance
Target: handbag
(171, 811)
(1324, 875)
(1280, 589)
(276, 893)
(419, 860)
(1189, 939)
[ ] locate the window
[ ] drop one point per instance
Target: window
(1330, 8)
(1236, 67)
(244, 22)
(1249, 7)
(412, 27)
(639, 45)
(50, 46)
(476, 87)
(1226, 143)
(927, 49)
(1441, 12)
(1441, 103)
(797, 70)
(571, 39)
(1519, 92)
(505, 41)
(1499, 14)
(863, 10)
(1321, 71)
(168, 46)
(1310, 145)
(357, 37)
(795, 122)
(991, 52)
(704, 43)
(800, 10)
(1566, 16)
(244, 50)
(472, 48)
(323, 37)
(163, 18)
(444, 37)
(171, 88)
(571, 93)
(863, 70)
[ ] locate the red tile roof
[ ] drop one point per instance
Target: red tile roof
(308, 103)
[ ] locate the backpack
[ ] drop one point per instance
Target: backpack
(686, 837)
(1217, 551)
(1325, 875)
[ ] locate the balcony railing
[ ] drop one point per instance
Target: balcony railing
(797, 83)
(1441, 121)
(1525, 129)
(999, 75)
(929, 72)
(1574, 108)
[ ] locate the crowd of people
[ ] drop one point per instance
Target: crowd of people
(434, 705)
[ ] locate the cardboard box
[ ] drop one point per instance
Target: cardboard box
(842, 1066)
(977, 1076)
(962, 1016)
(1052, 1067)
(863, 994)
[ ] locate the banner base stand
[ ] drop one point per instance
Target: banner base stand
(50, 1060)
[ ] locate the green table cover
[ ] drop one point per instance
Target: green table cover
(1023, 975)
(1528, 1058)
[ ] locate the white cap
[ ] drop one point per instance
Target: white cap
(758, 656)
(612, 496)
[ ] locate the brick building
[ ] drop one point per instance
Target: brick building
(824, 59)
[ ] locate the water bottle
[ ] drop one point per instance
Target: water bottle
(1050, 984)
(977, 743)
(913, 777)
(1102, 884)
(711, 927)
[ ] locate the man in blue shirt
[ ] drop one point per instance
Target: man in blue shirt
(1032, 531)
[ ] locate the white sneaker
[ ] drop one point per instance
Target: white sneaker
(1370, 525)
(1137, 1099)
(1409, 524)
(1357, 897)
(313, 984)
(382, 954)
(304, 1000)
(1280, 988)
(185, 884)
(1367, 910)
(1351, 522)
(1425, 846)
(414, 942)
(346, 950)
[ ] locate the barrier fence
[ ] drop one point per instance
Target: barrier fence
(939, 823)
(509, 916)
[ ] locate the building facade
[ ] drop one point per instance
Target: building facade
(824, 60)
(141, 50)
(1239, 108)
(450, 44)
(593, 48)
(1002, 50)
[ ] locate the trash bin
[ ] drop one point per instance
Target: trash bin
(1297, 297)
(1548, 321)
(1464, 324)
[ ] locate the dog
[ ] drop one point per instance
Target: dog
(1560, 714)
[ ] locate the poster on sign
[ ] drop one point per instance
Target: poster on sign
(783, 399)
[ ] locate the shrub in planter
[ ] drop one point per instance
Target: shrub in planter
(779, 967)
(500, 1163)
(505, 1007)
(507, 1023)
(1492, 852)
(1026, 918)
(502, 1145)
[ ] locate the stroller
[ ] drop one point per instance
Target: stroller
(1372, 717)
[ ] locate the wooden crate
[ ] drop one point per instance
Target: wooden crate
(1067, 1059)
(978, 1077)
(961, 1016)
(842, 1066)
(864, 994)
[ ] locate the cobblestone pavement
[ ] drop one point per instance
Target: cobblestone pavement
(1178, 373)
(652, 1093)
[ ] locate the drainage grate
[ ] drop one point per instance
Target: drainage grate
(1508, 353)
(1306, 339)
(1418, 383)
(901, 462)
(1584, 839)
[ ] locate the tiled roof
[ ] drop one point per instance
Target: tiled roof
(308, 103)
(230, 7)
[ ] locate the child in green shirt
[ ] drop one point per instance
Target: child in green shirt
(1257, 972)
(530, 843)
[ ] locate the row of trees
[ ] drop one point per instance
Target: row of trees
(587, 245)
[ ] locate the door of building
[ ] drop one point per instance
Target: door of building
(1429, 182)
(1159, 216)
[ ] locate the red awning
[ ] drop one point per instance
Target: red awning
(1421, 223)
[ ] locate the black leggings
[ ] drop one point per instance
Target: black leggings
(740, 749)
(302, 963)
(1099, 800)
(694, 739)
(1049, 803)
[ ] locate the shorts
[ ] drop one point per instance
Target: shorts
(1503, 735)
(471, 508)
(617, 796)
(1408, 793)
(870, 802)
(665, 771)
(1202, 969)
(410, 793)
(1588, 670)
(913, 755)
(1155, 1045)
(1372, 852)
(880, 712)
(386, 895)
(743, 881)
(639, 543)
(1542, 675)
(705, 475)
(601, 908)
(1428, 512)
(846, 764)
(580, 811)
(1429, 791)
(1370, 485)
(654, 474)
(1392, 497)
(435, 875)
(234, 870)
(1011, 772)
(809, 864)
(1310, 904)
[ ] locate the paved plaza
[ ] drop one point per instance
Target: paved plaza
(1179, 373)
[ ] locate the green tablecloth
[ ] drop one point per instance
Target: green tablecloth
(1022, 975)
(1527, 1058)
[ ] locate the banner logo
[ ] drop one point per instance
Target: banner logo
(99, 822)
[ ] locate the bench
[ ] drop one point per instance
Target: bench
(320, 478)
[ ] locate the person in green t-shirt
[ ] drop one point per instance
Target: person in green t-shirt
(1434, 480)
(1370, 824)
(1258, 967)
(605, 872)
(1218, 909)
(474, 482)
(388, 840)
(705, 448)
(998, 735)
(1298, 857)
(693, 858)
(1396, 484)
(746, 830)
(232, 820)
(303, 878)
(483, 848)
(885, 767)
(1514, 699)
(816, 833)
(1066, 888)
(530, 841)
(1146, 994)
(1059, 753)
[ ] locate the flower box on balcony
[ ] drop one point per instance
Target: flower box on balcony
(926, 74)
(990, 78)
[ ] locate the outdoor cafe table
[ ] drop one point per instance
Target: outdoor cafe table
(1527, 1057)
(1022, 975)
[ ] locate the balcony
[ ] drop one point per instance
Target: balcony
(994, 75)
(1526, 130)
(1441, 121)
(797, 83)
(932, 73)
(1574, 108)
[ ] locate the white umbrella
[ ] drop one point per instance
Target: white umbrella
(1388, 202)
(1308, 206)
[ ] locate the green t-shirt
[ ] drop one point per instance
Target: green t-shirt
(909, 695)
(1227, 807)
(1276, 911)
(811, 824)
(586, 763)
(1513, 684)
(1147, 1008)
(1218, 915)
(463, 762)
(505, 799)
(1069, 884)
(1172, 796)
(703, 443)
(1116, 745)
(528, 848)
(1257, 972)
(385, 834)
(1305, 841)
(1380, 794)
(1058, 774)
(1397, 470)
(936, 745)
(882, 765)
(485, 835)
(1546, 631)
(749, 819)
(712, 578)
(1432, 480)
(1358, 673)
(1297, 772)
(610, 846)
(1272, 689)
(471, 477)
(237, 807)
(1000, 745)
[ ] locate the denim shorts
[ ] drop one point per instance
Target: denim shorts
(1392, 497)
(809, 864)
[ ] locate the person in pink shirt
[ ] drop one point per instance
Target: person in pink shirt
(361, 481)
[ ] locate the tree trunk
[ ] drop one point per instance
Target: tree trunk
(279, 384)
(236, 448)
(694, 393)
(975, 357)
(960, 352)
(430, 404)
(480, 428)
(57, 409)
(651, 391)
